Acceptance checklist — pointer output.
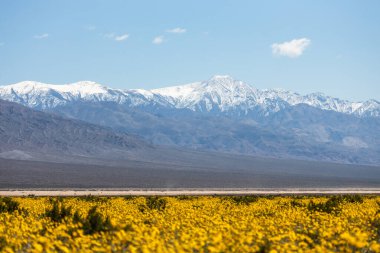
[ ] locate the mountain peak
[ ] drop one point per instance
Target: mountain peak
(85, 87)
(82, 87)
(226, 83)
(27, 84)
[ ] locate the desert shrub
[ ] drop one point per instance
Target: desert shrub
(352, 198)
(76, 217)
(3, 242)
(92, 198)
(329, 206)
(7, 205)
(246, 200)
(95, 222)
(58, 212)
(296, 203)
(88, 198)
(52, 200)
(156, 203)
(186, 197)
(128, 227)
(333, 203)
(265, 246)
(376, 227)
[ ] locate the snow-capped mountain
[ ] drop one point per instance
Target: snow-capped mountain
(218, 94)
(220, 114)
(44, 96)
(224, 93)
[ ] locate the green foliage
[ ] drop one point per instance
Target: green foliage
(92, 198)
(265, 247)
(246, 200)
(58, 212)
(156, 203)
(186, 197)
(376, 227)
(332, 205)
(3, 242)
(296, 203)
(7, 205)
(76, 217)
(128, 228)
(327, 207)
(352, 198)
(95, 222)
(269, 196)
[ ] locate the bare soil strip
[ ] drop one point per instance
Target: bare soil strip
(192, 192)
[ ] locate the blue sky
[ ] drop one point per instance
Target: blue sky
(305, 46)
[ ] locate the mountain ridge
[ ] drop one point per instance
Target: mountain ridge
(25, 129)
(220, 93)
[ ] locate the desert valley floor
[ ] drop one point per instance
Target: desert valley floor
(202, 171)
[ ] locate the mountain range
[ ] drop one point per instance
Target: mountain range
(220, 114)
(220, 94)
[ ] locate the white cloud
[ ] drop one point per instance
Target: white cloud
(122, 37)
(158, 40)
(41, 36)
(176, 30)
(115, 37)
(292, 49)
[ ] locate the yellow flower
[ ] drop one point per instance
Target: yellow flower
(169, 224)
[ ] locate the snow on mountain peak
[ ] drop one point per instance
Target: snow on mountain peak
(224, 93)
(220, 93)
(226, 82)
(42, 95)
(26, 86)
(83, 87)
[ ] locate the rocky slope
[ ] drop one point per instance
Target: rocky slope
(24, 129)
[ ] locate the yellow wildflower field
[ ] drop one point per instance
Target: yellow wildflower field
(190, 224)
